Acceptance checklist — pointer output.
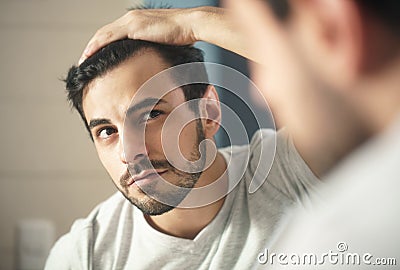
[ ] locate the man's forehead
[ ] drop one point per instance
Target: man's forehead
(130, 76)
(112, 106)
(130, 83)
(171, 98)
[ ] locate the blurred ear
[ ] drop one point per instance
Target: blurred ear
(330, 37)
(211, 111)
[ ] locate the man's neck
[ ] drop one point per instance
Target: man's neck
(188, 222)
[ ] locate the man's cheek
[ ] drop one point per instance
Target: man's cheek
(152, 138)
(111, 167)
(171, 140)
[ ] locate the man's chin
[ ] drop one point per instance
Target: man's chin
(150, 206)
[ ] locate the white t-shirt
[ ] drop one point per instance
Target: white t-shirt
(356, 217)
(116, 235)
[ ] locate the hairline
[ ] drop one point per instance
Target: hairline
(140, 52)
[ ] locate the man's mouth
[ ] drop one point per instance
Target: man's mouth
(145, 174)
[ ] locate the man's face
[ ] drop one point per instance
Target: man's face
(135, 159)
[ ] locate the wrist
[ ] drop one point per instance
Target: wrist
(198, 18)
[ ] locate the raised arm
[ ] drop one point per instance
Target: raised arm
(173, 26)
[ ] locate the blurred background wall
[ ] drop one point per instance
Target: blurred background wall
(48, 166)
(49, 171)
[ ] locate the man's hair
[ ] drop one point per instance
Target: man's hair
(388, 11)
(116, 53)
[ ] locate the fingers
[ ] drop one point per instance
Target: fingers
(103, 36)
(124, 27)
(171, 26)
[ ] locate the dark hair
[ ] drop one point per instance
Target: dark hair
(388, 11)
(280, 8)
(115, 53)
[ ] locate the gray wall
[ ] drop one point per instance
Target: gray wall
(48, 166)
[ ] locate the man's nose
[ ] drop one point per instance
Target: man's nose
(132, 148)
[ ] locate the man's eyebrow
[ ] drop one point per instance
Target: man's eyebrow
(96, 122)
(148, 102)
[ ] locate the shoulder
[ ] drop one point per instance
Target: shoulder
(274, 165)
(103, 213)
(249, 165)
(285, 170)
(77, 246)
(262, 142)
(265, 136)
(262, 149)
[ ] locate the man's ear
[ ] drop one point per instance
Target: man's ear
(210, 112)
(330, 35)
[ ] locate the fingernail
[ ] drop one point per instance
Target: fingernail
(81, 60)
(87, 50)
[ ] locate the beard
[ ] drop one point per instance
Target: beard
(159, 197)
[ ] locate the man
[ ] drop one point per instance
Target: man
(337, 64)
(348, 53)
(139, 230)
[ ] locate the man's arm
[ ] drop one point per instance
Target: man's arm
(173, 26)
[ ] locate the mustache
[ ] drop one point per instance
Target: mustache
(144, 164)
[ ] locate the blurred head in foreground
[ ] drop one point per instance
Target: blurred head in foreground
(333, 65)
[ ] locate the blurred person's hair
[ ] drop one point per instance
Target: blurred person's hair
(116, 53)
(387, 11)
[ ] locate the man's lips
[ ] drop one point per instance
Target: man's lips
(143, 175)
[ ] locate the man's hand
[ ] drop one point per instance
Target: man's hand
(169, 26)
(174, 27)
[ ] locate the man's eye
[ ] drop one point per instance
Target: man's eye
(150, 115)
(106, 132)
